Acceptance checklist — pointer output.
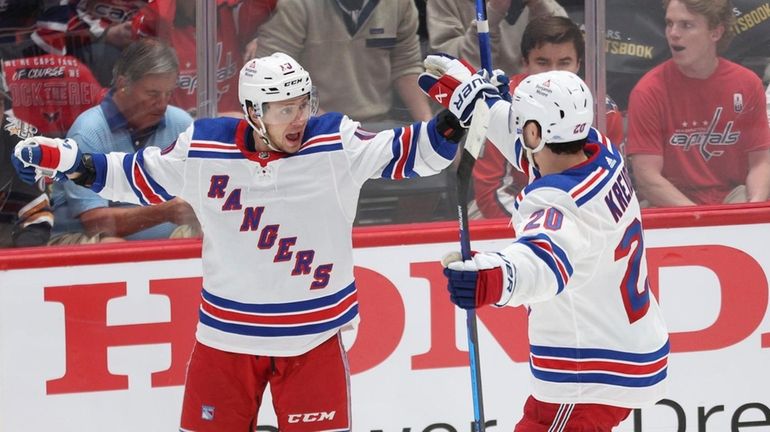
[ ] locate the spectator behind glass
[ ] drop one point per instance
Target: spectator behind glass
(697, 128)
(51, 91)
(174, 22)
(251, 15)
(636, 40)
(25, 215)
(18, 19)
(94, 31)
(133, 115)
(452, 29)
(548, 43)
(358, 51)
(767, 100)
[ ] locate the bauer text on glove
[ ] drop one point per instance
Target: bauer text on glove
(453, 84)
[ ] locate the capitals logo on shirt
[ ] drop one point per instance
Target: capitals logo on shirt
(704, 136)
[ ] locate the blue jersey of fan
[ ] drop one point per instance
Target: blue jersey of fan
(595, 330)
(277, 244)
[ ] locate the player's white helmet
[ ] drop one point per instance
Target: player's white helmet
(273, 78)
(559, 101)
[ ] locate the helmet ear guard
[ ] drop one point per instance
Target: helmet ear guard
(558, 101)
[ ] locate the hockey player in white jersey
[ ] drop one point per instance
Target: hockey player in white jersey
(598, 342)
(276, 196)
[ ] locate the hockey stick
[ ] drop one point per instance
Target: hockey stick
(477, 133)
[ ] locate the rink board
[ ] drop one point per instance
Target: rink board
(97, 338)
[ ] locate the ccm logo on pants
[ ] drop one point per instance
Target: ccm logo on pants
(311, 417)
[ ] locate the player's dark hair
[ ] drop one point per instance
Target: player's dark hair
(552, 29)
(570, 147)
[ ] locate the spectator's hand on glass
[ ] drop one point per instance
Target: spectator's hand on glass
(500, 6)
(119, 35)
(250, 50)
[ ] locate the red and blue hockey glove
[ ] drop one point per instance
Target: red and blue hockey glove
(454, 84)
(49, 157)
(487, 278)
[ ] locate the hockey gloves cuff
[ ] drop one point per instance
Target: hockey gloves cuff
(454, 84)
(487, 278)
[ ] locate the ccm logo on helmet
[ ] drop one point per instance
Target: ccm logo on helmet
(466, 90)
(311, 417)
(292, 82)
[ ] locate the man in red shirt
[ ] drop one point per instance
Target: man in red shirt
(697, 131)
(548, 43)
(50, 91)
(174, 21)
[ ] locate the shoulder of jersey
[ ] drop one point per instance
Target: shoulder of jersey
(322, 134)
(583, 182)
(326, 123)
(217, 129)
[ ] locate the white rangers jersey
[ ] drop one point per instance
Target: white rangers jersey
(277, 243)
(595, 330)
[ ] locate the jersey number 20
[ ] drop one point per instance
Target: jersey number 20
(631, 246)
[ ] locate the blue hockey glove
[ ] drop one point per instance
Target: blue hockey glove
(48, 157)
(453, 84)
(26, 173)
(487, 278)
(501, 81)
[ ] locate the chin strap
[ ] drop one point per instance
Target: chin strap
(262, 133)
(266, 140)
(539, 147)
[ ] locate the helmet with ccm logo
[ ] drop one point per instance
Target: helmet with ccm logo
(559, 101)
(273, 78)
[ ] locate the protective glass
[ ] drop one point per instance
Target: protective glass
(285, 112)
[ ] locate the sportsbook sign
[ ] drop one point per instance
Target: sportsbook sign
(99, 338)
